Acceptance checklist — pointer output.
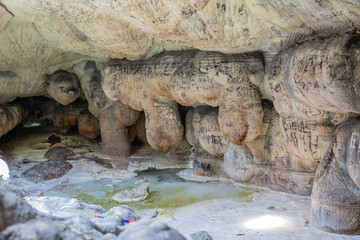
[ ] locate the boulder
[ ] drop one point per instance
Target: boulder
(137, 194)
(58, 153)
(64, 87)
(202, 235)
(53, 168)
(147, 229)
(13, 207)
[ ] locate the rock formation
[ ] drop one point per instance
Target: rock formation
(88, 125)
(335, 199)
(136, 62)
(216, 79)
(64, 87)
(53, 168)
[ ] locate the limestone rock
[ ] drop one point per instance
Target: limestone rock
(88, 125)
(306, 129)
(147, 229)
(335, 199)
(241, 166)
(53, 168)
(287, 173)
(324, 73)
(115, 140)
(67, 116)
(137, 194)
(46, 108)
(202, 235)
(97, 99)
(11, 115)
(210, 138)
(64, 87)
(188, 78)
(207, 165)
(14, 209)
(58, 153)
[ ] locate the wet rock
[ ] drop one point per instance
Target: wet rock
(53, 168)
(13, 207)
(137, 194)
(141, 180)
(88, 125)
(202, 235)
(335, 199)
(58, 153)
(64, 87)
(147, 229)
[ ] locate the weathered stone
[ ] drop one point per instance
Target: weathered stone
(306, 129)
(210, 138)
(137, 194)
(13, 207)
(335, 199)
(241, 166)
(188, 78)
(115, 140)
(202, 235)
(64, 87)
(96, 97)
(47, 108)
(147, 229)
(88, 125)
(205, 164)
(67, 116)
(53, 168)
(140, 129)
(323, 73)
(11, 115)
(58, 153)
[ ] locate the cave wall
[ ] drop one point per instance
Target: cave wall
(270, 85)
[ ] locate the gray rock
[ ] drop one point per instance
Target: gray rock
(202, 235)
(58, 153)
(13, 208)
(146, 229)
(53, 168)
(137, 194)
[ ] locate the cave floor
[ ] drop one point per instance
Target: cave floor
(226, 210)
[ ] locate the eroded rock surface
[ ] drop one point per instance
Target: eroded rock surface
(58, 153)
(156, 84)
(136, 194)
(64, 87)
(335, 199)
(53, 168)
(88, 125)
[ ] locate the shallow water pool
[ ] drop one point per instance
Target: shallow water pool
(167, 191)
